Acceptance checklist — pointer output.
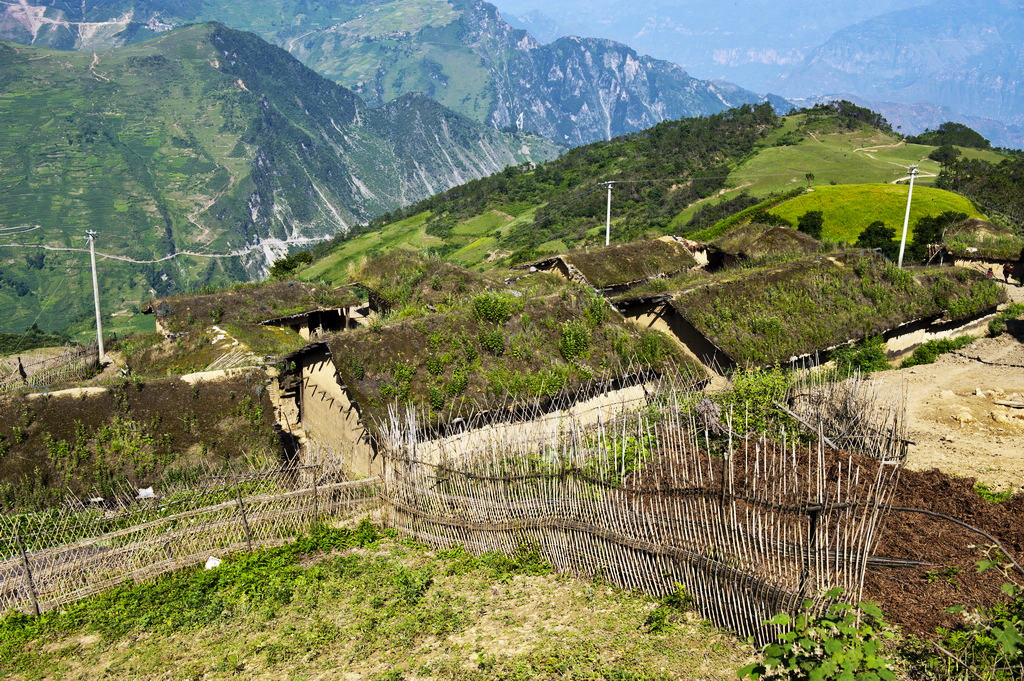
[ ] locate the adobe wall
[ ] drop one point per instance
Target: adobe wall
(902, 344)
(331, 422)
(585, 413)
(661, 317)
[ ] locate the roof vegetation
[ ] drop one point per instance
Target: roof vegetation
(771, 314)
(247, 304)
(402, 278)
(631, 263)
(976, 238)
(753, 240)
(496, 349)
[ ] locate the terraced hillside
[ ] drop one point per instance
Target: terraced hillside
(203, 140)
(681, 177)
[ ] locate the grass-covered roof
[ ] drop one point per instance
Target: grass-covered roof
(247, 304)
(630, 263)
(402, 278)
(753, 240)
(980, 239)
(496, 350)
(770, 314)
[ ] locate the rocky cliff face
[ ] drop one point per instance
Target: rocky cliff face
(460, 53)
(207, 141)
(962, 54)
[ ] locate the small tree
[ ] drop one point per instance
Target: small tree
(877, 235)
(945, 154)
(811, 223)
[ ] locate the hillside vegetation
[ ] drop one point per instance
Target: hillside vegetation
(203, 140)
(848, 209)
(679, 177)
(365, 603)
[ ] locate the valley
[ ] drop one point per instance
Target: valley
(380, 398)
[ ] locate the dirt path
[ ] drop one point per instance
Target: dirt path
(953, 416)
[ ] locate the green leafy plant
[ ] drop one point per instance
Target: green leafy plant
(930, 351)
(575, 340)
(997, 325)
(842, 644)
(865, 357)
(494, 307)
(947, 574)
(990, 495)
(493, 341)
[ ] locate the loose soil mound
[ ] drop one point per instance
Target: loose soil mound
(916, 597)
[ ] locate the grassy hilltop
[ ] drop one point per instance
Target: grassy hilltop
(680, 177)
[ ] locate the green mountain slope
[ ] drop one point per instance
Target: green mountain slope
(203, 140)
(461, 53)
(679, 177)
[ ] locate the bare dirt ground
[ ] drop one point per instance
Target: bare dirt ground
(953, 413)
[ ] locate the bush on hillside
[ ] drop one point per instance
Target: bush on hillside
(811, 223)
(878, 236)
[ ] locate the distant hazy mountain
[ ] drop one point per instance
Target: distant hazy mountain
(963, 54)
(204, 140)
(745, 41)
(913, 119)
(461, 53)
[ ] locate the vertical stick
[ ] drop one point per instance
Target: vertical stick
(245, 519)
(316, 499)
(28, 572)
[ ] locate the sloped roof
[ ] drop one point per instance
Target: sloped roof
(627, 264)
(768, 315)
(462, 362)
(755, 240)
(401, 277)
(975, 238)
(247, 304)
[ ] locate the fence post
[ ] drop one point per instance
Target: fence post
(316, 497)
(28, 571)
(245, 518)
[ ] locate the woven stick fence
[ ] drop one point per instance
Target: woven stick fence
(86, 553)
(749, 527)
(74, 364)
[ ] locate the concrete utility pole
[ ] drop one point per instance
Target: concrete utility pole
(906, 218)
(91, 236)
(608, 218)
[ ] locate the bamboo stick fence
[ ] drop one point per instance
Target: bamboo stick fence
(648, 501)
(74, 364)
(71, 557)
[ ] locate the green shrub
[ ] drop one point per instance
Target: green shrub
(930, 351)
(843, 644)
(998, 325)
(864, 357)
(597, 310)
(495, 307)
(575, 340)
(751, 397)
(493, 341)
(457, 384)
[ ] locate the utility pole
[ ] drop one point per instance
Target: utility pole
(91, 236)
(608, 218)
(906, 218)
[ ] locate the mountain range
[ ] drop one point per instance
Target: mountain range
(961, 54)
(203, 140)
(921, 63)
(461, 53)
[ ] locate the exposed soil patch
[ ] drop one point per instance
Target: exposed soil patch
(916, 598)
(953, 414)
